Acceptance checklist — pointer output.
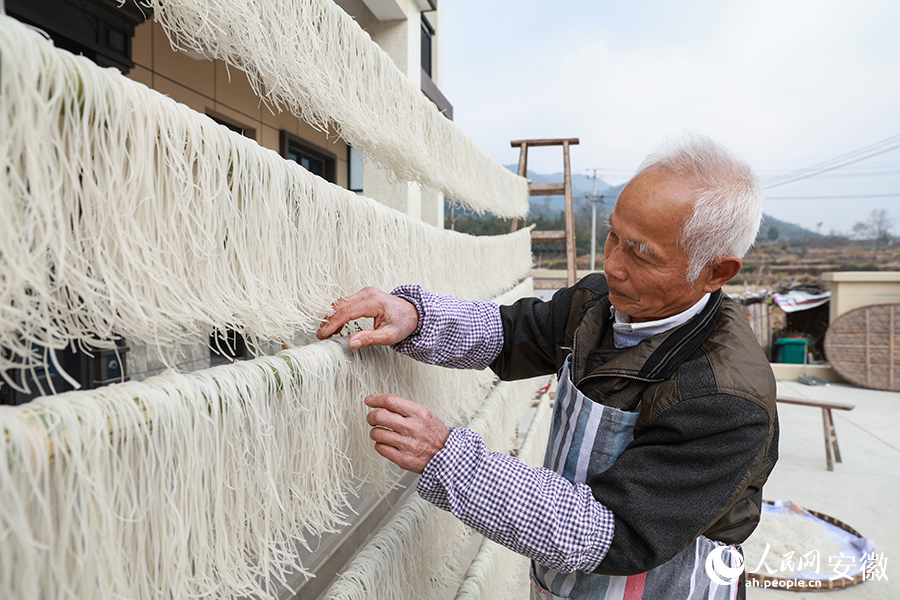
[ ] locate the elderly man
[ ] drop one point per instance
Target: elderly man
(664, 428)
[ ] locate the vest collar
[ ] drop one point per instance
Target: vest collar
(655, 358)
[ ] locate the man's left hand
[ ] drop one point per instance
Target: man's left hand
(405, 432)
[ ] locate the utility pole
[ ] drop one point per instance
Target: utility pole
(594, 201)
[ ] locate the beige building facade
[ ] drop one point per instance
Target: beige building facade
(409, 31)
(854, 289)
(212, 88)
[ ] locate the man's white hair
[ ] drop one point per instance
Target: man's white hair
(728, 199)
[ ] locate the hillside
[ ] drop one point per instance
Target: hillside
(784, 251)
(546, 211)
(783, 229)
(582, 190)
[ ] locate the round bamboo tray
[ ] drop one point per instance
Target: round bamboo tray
(793, 584)
(863, 346)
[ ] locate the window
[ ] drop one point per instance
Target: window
(428, 86)
(232, 125)
(314, 165)
(427, 35)
(355, 174)
(99, 29)
(99, 368)
(313, 159)
(226, 347)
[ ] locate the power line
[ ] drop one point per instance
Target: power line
(857, 174)
(847, 197)
(859, 171)
(870, 166)
(843, 160)
(854, 155)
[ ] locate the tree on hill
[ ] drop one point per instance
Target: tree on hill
(877, 227)
(881, 224)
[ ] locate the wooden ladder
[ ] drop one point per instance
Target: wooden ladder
(552, 189)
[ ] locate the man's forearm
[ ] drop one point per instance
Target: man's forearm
(452, 332)
(534, 512)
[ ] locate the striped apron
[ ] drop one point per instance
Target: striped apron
(585, 439)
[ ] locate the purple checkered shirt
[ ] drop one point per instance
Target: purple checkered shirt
(533, 511)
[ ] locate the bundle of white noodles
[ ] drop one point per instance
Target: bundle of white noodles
(198, 485)
(524, 288)
(313, 59)
(531, 452)
(127, 214)
(419, 553)
(497, 573)
(416, 555)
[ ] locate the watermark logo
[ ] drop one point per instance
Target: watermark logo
(872, 565)
(725, 564)
(720, 572)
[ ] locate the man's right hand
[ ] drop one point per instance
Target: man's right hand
(395, 318)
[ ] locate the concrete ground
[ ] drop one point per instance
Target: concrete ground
(862, 491)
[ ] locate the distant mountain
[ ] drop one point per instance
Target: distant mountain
(786, 231)
(582, 190)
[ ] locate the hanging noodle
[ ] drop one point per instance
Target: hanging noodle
(419, 553)
(416, 555)
(199, 484)
(127, 214)
(497, 573)
(313, 59)
(190, 485)
(524, 288)
(531, 452)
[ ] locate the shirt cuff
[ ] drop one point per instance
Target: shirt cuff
(452, 332)
(532, 511)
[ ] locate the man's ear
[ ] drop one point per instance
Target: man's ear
(721, 274)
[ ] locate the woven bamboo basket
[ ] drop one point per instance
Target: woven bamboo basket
(811, 585)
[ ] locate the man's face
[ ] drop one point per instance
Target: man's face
(645, 266)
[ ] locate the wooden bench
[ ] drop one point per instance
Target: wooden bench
(830, 433)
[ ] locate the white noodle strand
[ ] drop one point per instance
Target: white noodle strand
(190, 485)
(523, 289)
(419, 553)
(497, 573)
(313, 59)
(127, 214)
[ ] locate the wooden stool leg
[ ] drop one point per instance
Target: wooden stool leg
(826, 414)
(837, 451)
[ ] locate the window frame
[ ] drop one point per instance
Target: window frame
(288, 140)
(232, 125)
(92, 368)
(427, 36)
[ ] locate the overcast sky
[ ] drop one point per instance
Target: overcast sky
(784, 83)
